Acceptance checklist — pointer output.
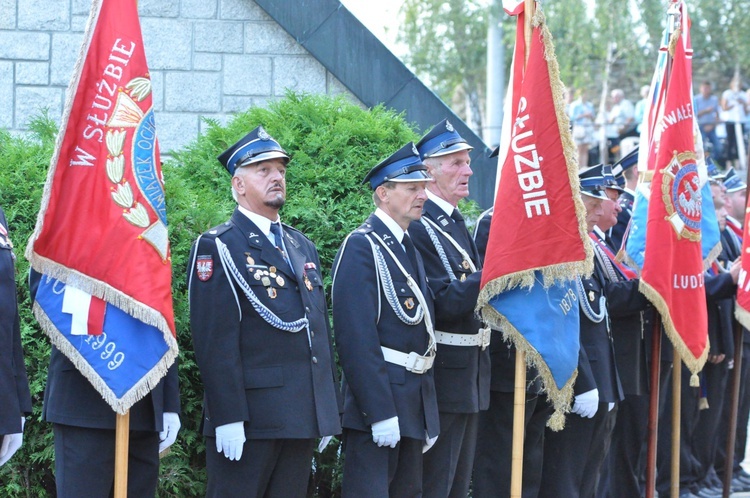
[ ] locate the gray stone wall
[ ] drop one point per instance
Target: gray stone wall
(207, 58)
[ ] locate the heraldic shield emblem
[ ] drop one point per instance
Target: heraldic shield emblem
(204, 267)
(681, 192)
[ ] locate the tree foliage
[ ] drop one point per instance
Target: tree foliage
(447, 42)
(333, 144)
(448, 45)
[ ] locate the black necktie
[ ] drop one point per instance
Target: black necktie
(276, 231)
(464, 239)
(411, 253)
(458, 218)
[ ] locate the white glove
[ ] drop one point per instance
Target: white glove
(230, 439)
(171, 427)
(323, 443)
(586, 403)
(429, 442)
(610, 406)
(11, 443)
(386, 432)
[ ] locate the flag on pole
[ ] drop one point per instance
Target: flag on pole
(101, 240)
(635, 243)
(672, 273)
(528, 281)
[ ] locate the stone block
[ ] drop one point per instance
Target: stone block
(192, 92)
(78, 23)
(43, 16)
(235, 103)
(32, 73)
(247, 10)
(159, 8)
(23, 45)
(32, 100)
(6, 94)
(198, 9)
(80, 7)
(218, 36)
(298, 73)
(206, 62)
(65, 49)
(268, 38)
(7, 14)
(175, 130)
(167, 42)
(248, 75)
(157, 89)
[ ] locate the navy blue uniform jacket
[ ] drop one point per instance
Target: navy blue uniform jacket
(462, 373)
(596, 361)
(281, 384)
(375, 390)
(15, 400)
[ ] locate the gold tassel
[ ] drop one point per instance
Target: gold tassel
(695, 381)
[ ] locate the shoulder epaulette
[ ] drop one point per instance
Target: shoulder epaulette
(218, 229)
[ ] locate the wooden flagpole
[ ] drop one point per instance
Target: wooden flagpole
(653, 407)
(519, 393)
(122, 434)
(676, 419)
(122, 443)
(735, 403)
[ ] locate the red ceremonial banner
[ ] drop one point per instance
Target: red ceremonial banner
(102, 225)
(672, 276)
(742, 310)
(537, 190)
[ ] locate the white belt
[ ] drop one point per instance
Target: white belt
(412, 362)
(481, 338)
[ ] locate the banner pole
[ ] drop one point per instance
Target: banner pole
(735, 403)
(122, 434)
(519, 393)
(519, 416)
(653, 407)
(676, 418)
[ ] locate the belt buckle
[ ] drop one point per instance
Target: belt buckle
(416, 363)
(486, 335)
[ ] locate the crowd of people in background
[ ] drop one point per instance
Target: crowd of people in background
(723, 119)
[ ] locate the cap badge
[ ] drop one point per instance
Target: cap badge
(448, 125)
(263, 134)
(414, 149)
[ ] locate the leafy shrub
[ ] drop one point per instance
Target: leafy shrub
(332, 142)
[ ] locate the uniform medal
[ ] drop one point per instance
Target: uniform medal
(308, 284)
(272, 292)
(409, 303)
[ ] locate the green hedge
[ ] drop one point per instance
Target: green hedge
(333, 143)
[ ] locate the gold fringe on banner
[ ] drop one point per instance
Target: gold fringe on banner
(559, 398)
(695, 365)
(135, 394)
